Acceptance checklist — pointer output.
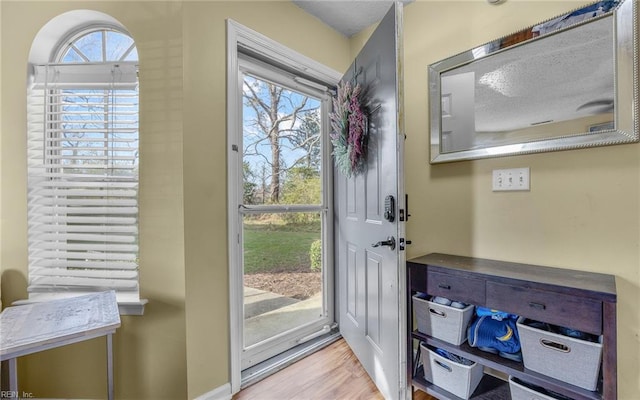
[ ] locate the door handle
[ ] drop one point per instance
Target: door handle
(391, 242)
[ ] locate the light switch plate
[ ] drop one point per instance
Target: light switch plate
(515, 179)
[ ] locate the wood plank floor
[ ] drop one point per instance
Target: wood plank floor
(333, 373)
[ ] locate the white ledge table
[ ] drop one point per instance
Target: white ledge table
(42, 326)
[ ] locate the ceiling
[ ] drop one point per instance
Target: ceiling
(349, 16)
(566, 76)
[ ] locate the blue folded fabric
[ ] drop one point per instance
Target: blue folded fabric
(446, 302)
(500, 335)
(441, 300)
(562, 331)
(453, 357)
(495, 314)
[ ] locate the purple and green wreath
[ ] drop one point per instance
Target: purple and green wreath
(349, 130)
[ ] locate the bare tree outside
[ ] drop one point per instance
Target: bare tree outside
(90, 123)
(282, 134)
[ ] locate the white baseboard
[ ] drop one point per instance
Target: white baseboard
(220, 393)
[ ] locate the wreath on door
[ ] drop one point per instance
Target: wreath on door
(349, 125)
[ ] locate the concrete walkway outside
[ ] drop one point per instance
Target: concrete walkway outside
(257, 302)
(268, 314)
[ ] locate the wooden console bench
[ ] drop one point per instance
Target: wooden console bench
(579, 300)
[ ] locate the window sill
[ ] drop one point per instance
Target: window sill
(132, 308)
(124, 308)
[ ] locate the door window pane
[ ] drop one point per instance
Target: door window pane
(281, 145)
(282, 273)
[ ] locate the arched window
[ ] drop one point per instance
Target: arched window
(83, 167)
(99, 46)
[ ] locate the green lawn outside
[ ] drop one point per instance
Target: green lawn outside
(278, 247)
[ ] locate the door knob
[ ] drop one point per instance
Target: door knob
(391, 242)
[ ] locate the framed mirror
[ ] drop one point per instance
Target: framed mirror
(566, 83)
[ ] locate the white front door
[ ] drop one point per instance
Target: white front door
(458, 112)
(371, 278)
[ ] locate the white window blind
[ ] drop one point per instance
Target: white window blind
(83, 180)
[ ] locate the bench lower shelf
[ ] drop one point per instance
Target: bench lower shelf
(490, 388)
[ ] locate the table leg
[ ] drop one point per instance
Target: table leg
(13, 375)
(110, 366)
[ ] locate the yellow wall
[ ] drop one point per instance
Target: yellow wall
(149, 350)
(205, 149)
(583, 208)
(179, 348)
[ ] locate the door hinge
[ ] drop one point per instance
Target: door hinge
(403, 213)
(234, 147)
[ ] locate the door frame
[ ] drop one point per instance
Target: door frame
(241, 37)
(403, 362)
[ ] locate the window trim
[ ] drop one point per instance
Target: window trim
(70, 37)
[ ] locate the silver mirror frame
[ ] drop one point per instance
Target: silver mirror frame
(626, 96)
